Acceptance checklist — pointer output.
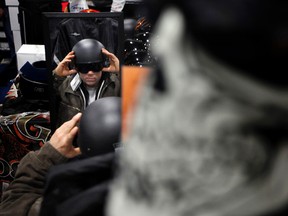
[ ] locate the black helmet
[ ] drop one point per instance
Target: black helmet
(88, 56)
(100, 127)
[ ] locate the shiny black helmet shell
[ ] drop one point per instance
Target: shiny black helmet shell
(88, 51)
(100, 127)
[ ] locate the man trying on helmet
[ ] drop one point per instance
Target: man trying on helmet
(84, 76)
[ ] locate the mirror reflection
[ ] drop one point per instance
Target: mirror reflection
(83, 53)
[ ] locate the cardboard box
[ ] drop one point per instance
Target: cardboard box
(31, 53)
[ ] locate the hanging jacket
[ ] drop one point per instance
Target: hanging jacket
(72, 30)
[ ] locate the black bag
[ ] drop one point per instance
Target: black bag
(30, 18)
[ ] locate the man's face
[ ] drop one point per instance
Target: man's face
(91, 79)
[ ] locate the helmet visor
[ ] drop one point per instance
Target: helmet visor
(85, 68)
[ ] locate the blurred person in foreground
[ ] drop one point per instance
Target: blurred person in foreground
(209, 134)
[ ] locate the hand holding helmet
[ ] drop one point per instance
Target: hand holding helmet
(63, 137)
(98, 133)
(91, 55)
(113, 60)
(88, 55)
(62, 68)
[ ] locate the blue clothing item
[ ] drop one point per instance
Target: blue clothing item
(37, 71)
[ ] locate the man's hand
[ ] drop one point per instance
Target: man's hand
(114, 62)
(63, 137)
(62, 68)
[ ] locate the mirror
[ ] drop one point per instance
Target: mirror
(63, 30)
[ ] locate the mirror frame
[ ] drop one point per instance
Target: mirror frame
(49, 21)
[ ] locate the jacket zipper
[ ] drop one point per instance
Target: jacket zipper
(84, 99)
(100, 89)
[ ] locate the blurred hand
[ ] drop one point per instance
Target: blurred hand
(63, 138)
(114, 62)
(62, 68)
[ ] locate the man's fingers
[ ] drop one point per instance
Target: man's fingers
(73, 133)
(105, 51)
(73, 71)
(110, 55)
(70, 54)
(77, 151)
(114, 62)
(72, 123)
(74, 152)
(77, 117)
